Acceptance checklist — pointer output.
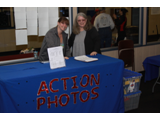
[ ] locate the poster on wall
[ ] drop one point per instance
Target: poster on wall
(31, 20)
(20, 17)
(53, 16)
(43, 20)
(21, 37)
(35, 20)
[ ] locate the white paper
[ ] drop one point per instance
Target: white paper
(43, 20)
(32, 27)
(31, 12)
(53, 16)
(31, 20)
(53, 11)
(19, 9)
(56, 58)
(21, 37)
(32, 30)
(53, 22)
(85, 58)
(20, 23)
(20, 17)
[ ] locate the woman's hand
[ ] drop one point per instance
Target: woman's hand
(66, 57)
(93, 53)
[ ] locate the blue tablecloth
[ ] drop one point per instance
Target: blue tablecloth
(151, 66)
(80, 87)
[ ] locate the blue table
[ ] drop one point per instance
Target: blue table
(152, 69)
(151, 66)
(94, 87)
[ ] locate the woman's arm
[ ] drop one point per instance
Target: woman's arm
(96, 39)
(71, 40)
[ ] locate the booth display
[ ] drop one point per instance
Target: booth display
(80, 87)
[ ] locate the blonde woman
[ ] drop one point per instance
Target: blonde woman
(84, 39)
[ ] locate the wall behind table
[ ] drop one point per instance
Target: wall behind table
(140, 53)
(153, 20)
(8, 41)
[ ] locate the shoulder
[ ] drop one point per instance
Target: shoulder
(64, 33)
(98, 16)
(92, 30)
(52, 31)
(92, 33)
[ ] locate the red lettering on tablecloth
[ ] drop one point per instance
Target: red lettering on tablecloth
(52, 102)
(67, 99)
(81, 98)
(38, 102)
(43, 83)
(64, 83)
(94, 93)
(74, 82)
(50, 85)
(93, 78)
(63, 99)
(87, 82)
(74, 96)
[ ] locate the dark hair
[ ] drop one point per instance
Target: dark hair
(76, 29)
(124, 10)
(63, 20)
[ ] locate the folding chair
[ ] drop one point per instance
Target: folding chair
(126, 53)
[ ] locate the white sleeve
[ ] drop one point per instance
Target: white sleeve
(111, 22)
(96, 23)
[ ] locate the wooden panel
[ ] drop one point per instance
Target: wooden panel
(113, 54)
(2, 41)
(157, 49)
(10, 39)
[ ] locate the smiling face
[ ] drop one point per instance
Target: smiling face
(81, 21)
(62, 26)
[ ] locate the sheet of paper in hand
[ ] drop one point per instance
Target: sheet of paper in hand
(56, 58)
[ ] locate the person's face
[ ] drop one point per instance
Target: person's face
(97, 12)
(120, 12)
(81, 21)
(62, 26)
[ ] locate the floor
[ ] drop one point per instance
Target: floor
(149, 102)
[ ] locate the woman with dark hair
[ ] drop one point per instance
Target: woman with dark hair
(121, 22)
(84, 39)
(56, 37)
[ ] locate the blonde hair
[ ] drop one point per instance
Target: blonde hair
(88, 25)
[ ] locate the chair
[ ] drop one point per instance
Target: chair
(126, 53)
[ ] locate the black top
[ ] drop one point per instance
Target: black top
(121, 23)
(91, 42)
(52, 39)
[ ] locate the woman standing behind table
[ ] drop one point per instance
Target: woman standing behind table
(56, 37)
(84, 39)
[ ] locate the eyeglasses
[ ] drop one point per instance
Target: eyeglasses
(83, 20)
